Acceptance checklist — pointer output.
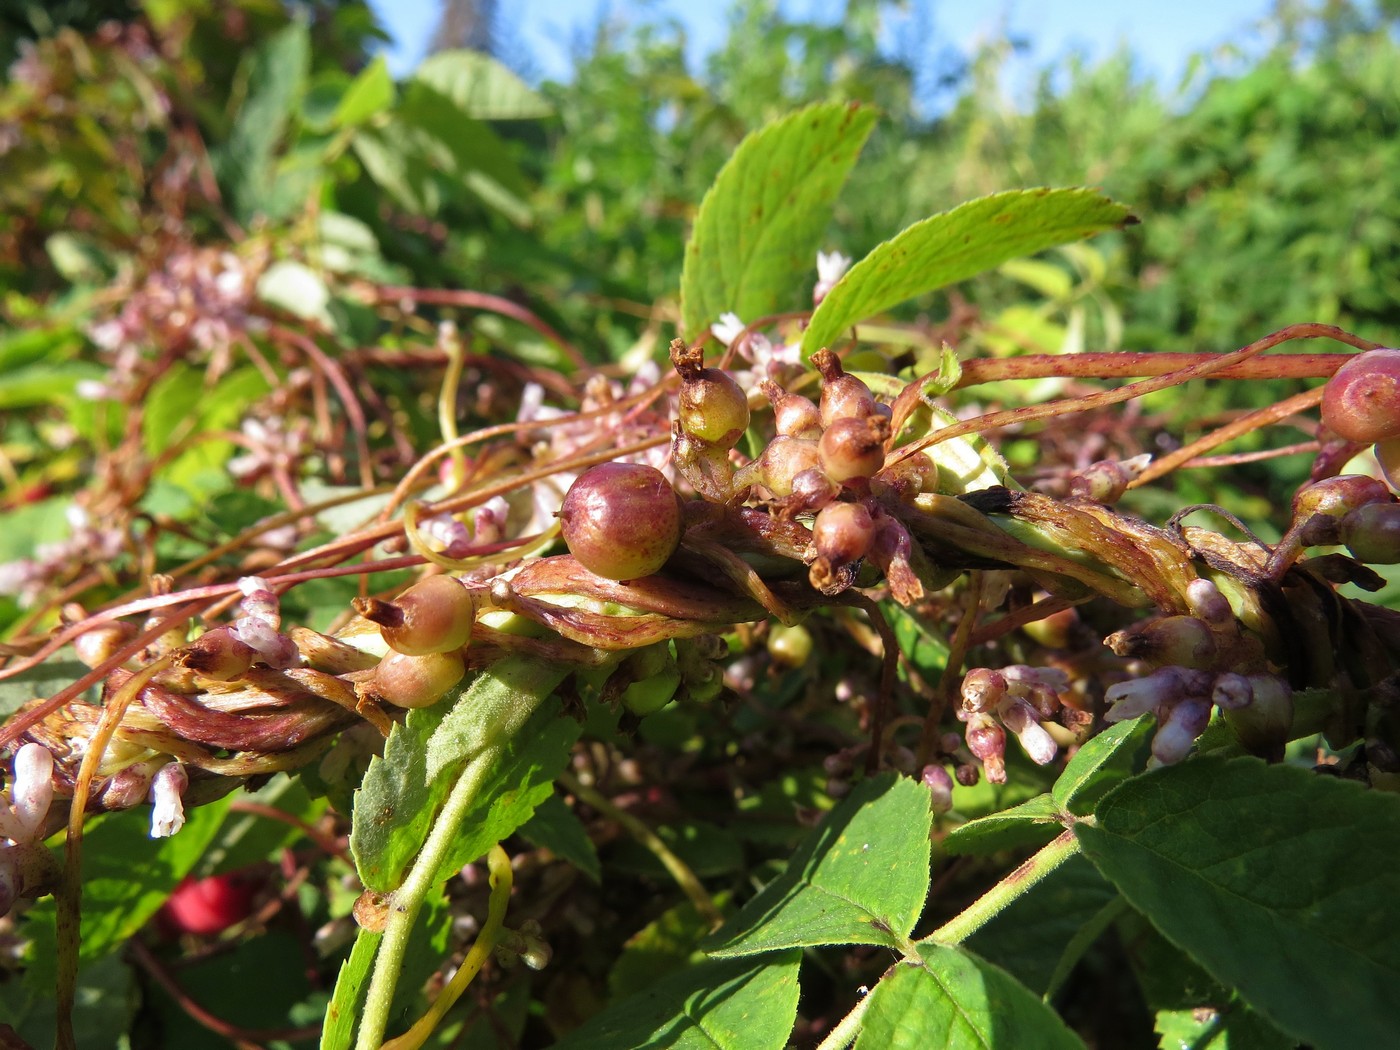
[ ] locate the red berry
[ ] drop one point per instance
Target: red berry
(784, 459)
(208, 906)
(843, 396)
(415, 681)
(621, 520)
(1361, 402)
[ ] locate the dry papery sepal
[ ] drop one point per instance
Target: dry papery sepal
(827, 500)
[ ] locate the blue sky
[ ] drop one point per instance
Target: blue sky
(1163, 35)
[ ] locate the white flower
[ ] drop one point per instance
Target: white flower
(31, 791)
(831, 267)
(168, 802)
(727, 328)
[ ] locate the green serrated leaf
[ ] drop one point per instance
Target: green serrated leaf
(960, 1002)
(556, 827)
(955, 245)
(859, 878)
(720, 1004)
(276, 79)
(758, 228)
(522, 776)
(1100, 764)
(369, 94)
(481, 86)
(338, 1028)
(1281, 883)
(402, 792)
(1032, 823)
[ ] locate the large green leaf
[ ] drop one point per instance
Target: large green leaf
(759, 227)
(729, 1004)
(402, 792)
(481, 86)
(955, 245)
(1033, 823)
(558, 829)
(1281, 883)
(371, 93)
(859, 878)
(276, 78)
(955, 1000)
(1100, 764)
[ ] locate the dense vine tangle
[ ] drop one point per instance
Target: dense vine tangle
(764, 504)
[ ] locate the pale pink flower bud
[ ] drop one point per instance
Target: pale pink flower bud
(32, 790)
(1187, 720)
(982, 689)
(987, 740)
(940, 787)
(1232, 691)
(168, 802)
(259, 602)
(1140, 695)
(1207, 603)
(1019, 717)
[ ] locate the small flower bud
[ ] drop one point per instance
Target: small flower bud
(1208, 604)
(987, 740)
(1167, 685)
(1019, 717)
(940, 787)
(1175, 737)
(167, 798)
(982, 690)
(1232, 691)
(96, 646)
(31, 791)
(1107, 480)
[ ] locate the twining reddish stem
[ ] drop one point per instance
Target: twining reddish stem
(484, 301)
(1128, 365)
(153, 966)
(1207, 365)
(353, 410)
(1235, 428)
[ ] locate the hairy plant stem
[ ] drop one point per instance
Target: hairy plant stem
(501, 878)
(408, 898)
(992, 903)
(846, 1030)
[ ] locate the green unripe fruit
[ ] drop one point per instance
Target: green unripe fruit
(713, 408)
(1361, 402)
(435, 615)
(415, 681)
(649, 695)
(621, 520)
(790, 646)
(1372, 533)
